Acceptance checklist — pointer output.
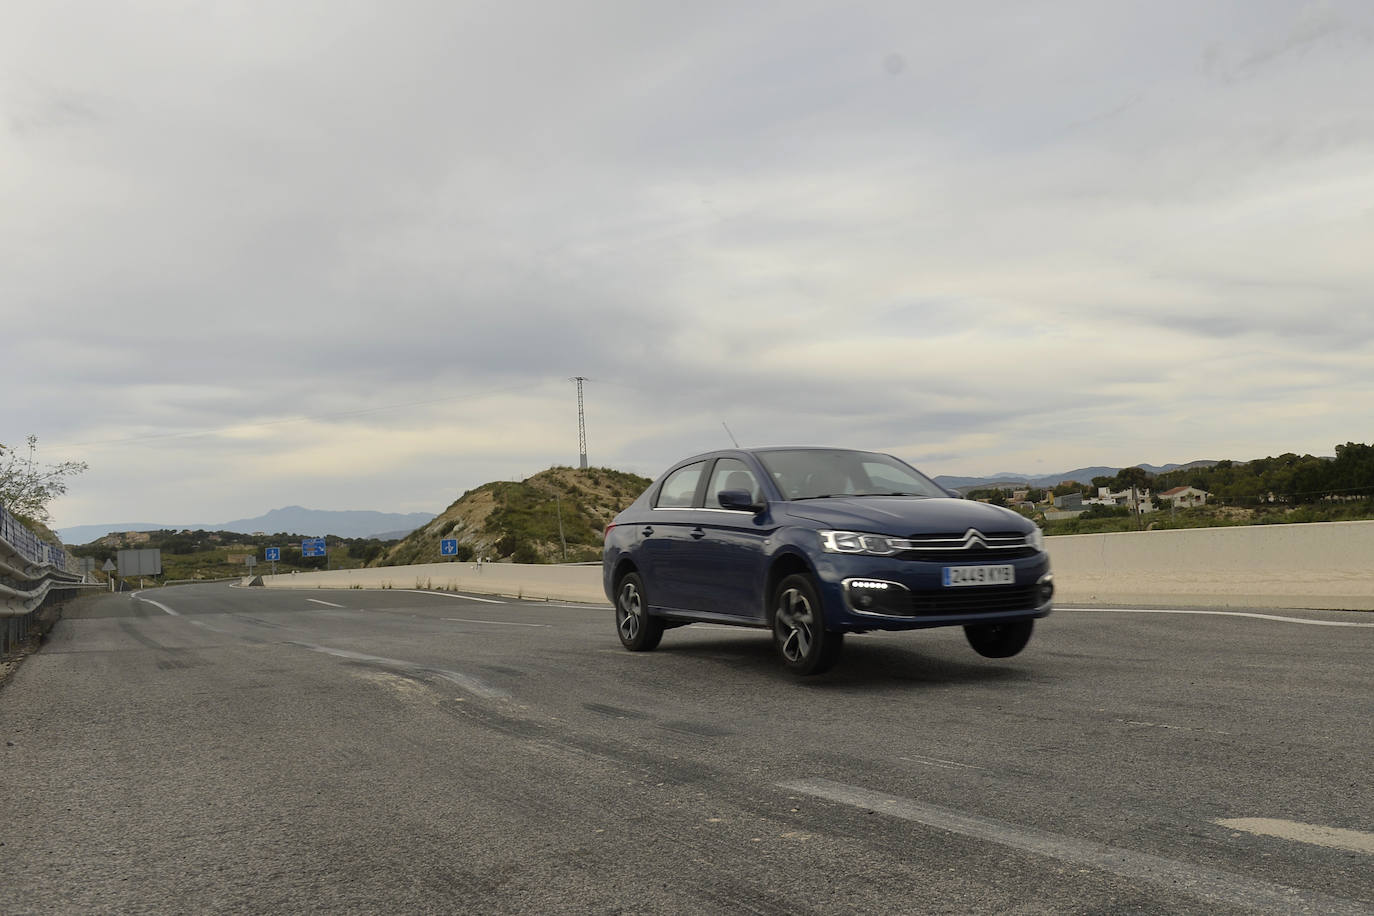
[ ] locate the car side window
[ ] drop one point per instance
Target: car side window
(731, 474)
(680, 488)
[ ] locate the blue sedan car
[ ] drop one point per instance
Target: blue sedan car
(814, 543)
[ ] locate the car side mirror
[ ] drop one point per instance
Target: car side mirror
(738, 499)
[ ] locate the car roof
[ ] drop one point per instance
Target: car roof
(721, 452)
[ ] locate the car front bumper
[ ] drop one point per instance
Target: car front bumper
(886, 593)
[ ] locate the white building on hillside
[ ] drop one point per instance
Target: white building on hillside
(1106, 496)
(1185, 497)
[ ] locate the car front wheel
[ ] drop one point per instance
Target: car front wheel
(999, 640)
(799, 629)
(638, 631)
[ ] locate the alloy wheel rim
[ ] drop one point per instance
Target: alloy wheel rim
(794, 624)
(627, 612)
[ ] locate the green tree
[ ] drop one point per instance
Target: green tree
(1134, 479)
(28, 485)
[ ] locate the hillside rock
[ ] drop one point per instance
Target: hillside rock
(519, 521)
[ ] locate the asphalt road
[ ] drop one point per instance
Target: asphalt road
(247, 750)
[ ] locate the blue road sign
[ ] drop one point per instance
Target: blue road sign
(312, 547)
(448, 547)
(273, 554)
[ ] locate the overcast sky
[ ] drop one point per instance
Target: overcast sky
(347, 254)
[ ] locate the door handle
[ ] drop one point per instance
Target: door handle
(698, 533)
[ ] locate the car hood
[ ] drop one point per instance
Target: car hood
(903, 515)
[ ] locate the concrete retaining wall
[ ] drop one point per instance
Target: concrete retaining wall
(1328, 565)
(1325, 565)
(558, 583)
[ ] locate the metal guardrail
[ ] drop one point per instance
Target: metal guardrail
(24, 543)
(30, 569)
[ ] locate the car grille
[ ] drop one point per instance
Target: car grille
(975, 600)
(970, 547)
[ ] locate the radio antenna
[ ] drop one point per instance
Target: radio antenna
(730, 434)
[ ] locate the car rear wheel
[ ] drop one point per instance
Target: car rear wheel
(638, 631)
(799, 629)
(999, 640)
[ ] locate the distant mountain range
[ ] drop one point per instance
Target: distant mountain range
(289, 519)
(1082, 475)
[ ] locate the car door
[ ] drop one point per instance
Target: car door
(665, 542)
(727, 556)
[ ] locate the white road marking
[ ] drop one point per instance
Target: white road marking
(156, 604)
(1122, 610)
(325, 603)
(497, 623)
(467, 682)
(1199, 881)
(420, 591)
(1317, 835)
(943, 764)
(575, 607)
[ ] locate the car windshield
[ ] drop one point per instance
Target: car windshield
(818, 473)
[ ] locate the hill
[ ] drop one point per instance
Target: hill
(519, 521)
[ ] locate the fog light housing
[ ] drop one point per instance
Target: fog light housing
(877, 596)
(1044, 588)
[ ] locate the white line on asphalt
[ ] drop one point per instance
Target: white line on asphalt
(420, 591)
(1198, 881)
(943, 764)
(139, 596)
(1123, 610)
(467, 682)
(325, 603)
(497, 623)
(576, 607)
(1317, 835)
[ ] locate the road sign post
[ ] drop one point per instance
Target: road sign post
(448, 547)
(273, 554)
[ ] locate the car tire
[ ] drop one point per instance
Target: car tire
(999, 640)
(638, 631)
(804, 644)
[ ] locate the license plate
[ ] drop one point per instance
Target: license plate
(979, 575)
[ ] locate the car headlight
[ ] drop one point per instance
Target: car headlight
(1035, 538)
(858, 542)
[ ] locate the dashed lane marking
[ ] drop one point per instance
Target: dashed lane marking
(1209, 884)
(1121, 610)
(465, 681)
(498, 623)
(325, 603)
(942, 764)
(420, 591)
(1315, 834)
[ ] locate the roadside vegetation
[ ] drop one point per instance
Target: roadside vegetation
(27, 485)
(1287, 489)
(221, 554)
